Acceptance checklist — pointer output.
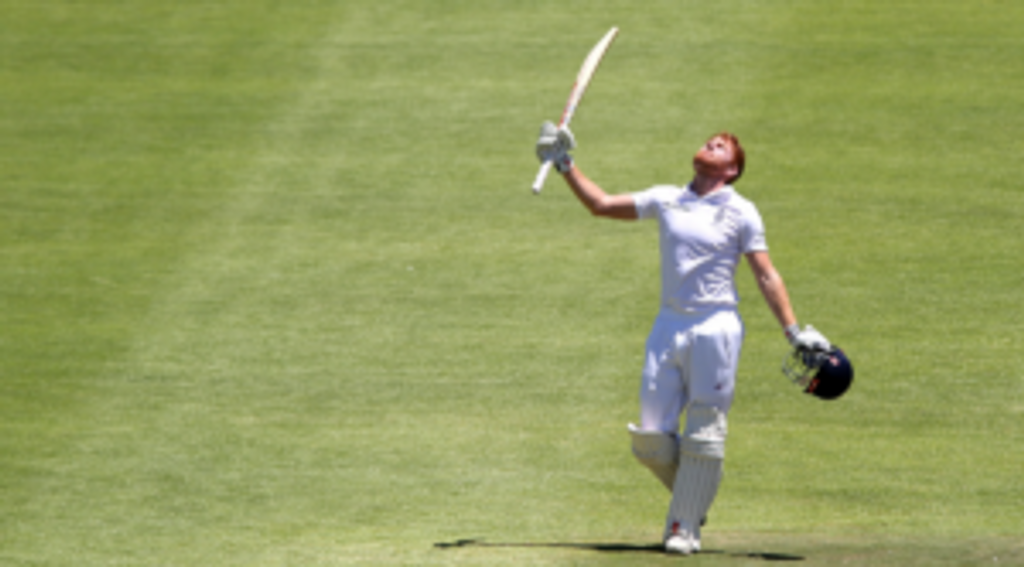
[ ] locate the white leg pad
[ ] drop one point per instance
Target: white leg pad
(658, 451)
(696, 486)
(701, 457)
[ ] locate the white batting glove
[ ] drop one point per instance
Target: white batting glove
(807, 339)
(554, 144)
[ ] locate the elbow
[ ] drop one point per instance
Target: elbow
(603, 207)
(769, 280)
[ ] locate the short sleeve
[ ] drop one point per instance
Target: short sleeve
(752, 238)
(649, 201)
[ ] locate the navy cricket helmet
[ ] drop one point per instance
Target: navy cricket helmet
(826, 374)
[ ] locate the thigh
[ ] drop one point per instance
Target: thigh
(663, 384)
(714, 360)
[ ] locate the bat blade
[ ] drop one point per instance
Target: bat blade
(586, 73)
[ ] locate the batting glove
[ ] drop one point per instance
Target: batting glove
(554, 144)
(807, 339)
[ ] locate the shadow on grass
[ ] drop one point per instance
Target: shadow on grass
(617, 548)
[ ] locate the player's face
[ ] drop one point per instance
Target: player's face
(715, 158)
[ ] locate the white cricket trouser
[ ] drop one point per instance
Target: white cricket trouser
(690, 358)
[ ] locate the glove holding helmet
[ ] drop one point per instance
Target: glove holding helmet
(816, 365)
(808, 339)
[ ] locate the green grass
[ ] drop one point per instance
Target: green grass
(274, 291)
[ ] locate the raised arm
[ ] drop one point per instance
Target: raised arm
(553, 146)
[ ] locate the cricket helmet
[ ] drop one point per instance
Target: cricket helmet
(826, 374)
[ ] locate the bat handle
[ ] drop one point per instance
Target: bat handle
(542, 174)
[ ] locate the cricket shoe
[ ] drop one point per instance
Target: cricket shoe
(681, 541)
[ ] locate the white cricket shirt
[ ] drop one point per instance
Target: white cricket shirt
(702, 240)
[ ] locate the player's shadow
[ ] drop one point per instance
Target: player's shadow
(617, 548)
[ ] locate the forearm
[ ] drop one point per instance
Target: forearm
(596, 200)
(774, 291)
(588, 192)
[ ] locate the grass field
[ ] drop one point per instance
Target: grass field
(274, 290)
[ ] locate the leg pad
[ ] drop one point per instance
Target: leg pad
(699, 473)
(658, 451)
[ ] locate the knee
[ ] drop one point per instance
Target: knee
(705, 432)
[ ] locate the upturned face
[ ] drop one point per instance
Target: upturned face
(716, 158)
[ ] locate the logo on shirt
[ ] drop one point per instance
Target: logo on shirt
(727, 216)
(680, 205)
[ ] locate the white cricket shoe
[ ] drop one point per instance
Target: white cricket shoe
(677, 543)
(681, 541)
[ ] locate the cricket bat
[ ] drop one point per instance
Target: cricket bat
(576, 94)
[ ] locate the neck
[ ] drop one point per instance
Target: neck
(703, 186)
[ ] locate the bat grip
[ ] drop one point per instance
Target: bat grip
(542, 174)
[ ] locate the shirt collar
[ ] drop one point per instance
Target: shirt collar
(719, 197)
